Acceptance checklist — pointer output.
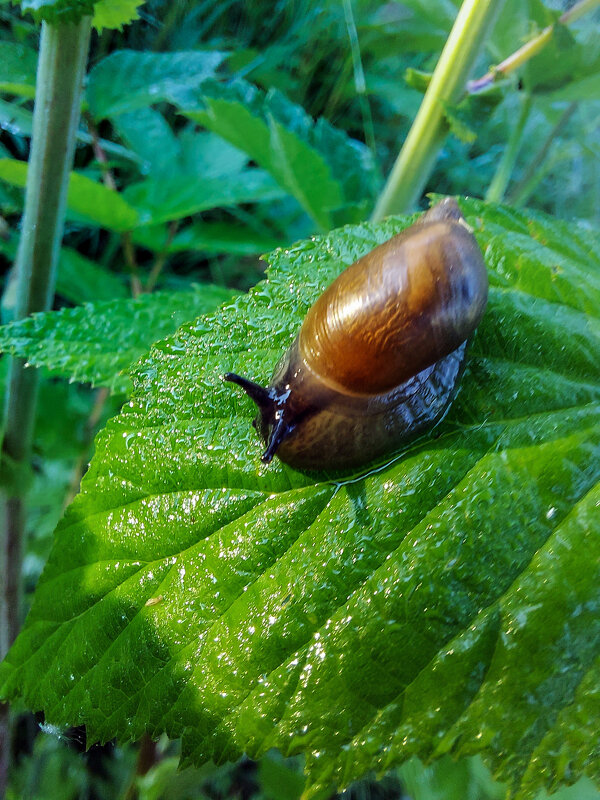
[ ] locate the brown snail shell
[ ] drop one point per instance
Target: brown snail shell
(379, 354)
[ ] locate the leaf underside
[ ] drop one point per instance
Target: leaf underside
(446, 602)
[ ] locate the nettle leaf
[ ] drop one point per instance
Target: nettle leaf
(329, 174)
(446, 602)
(95, 343)
(130, 79)
(88, 202)
(115, 13)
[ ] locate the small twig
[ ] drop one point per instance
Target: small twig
(161, 257)
(148, 756)
(130, 260)
(530, 48)
(90, 431)
(110, 183)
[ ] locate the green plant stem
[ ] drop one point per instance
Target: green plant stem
(497, 187)
(415, 161)
(530, 48)
(520, 193)
(359, 80)
(61, 65)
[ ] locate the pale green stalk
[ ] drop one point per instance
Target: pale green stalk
(61, 68)
(418, 154)
(497, 187)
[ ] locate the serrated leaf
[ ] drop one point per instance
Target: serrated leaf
(18, 65)
(318, 165)
(130, 79)
(97, 342)
(115, 14)
(447, 602)
(88, 202)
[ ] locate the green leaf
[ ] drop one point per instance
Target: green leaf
(19, 121)
(80, 280)
(129, 79)
(208, 237)
(95, 343)
(88, 202)
(168, 198)
(115, 13)
(147, 132)
(18, 65)
(318, 165)
(446, 602)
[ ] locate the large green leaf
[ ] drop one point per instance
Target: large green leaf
(130, 79)
(446, 602)
(328, 173)
(95, 343)
(87, 201)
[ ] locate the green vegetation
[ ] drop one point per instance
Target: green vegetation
(433, 622)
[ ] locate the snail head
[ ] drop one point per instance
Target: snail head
(271, 420)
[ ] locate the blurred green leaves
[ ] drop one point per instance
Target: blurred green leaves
(128, 79)
(88, 202)
(18, 67)
(326, 171)
(106, 13)
(445, 603)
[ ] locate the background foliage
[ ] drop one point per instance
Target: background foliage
(212, 134)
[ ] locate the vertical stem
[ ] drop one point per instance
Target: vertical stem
(497, 187)
(415, 161)
(61, 67)
(519, 194)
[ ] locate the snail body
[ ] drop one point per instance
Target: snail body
(379, 354)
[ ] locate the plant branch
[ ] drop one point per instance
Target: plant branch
(497, 187)
(161, 257)
(61, 66)
(530, 48)
(415, 161)
(110, 183)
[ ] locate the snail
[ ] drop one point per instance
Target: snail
(379, 354)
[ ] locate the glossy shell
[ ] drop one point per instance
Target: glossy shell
(377, 359)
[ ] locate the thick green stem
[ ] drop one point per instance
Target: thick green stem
(497, 187)
(418, 154)
(61, 67)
